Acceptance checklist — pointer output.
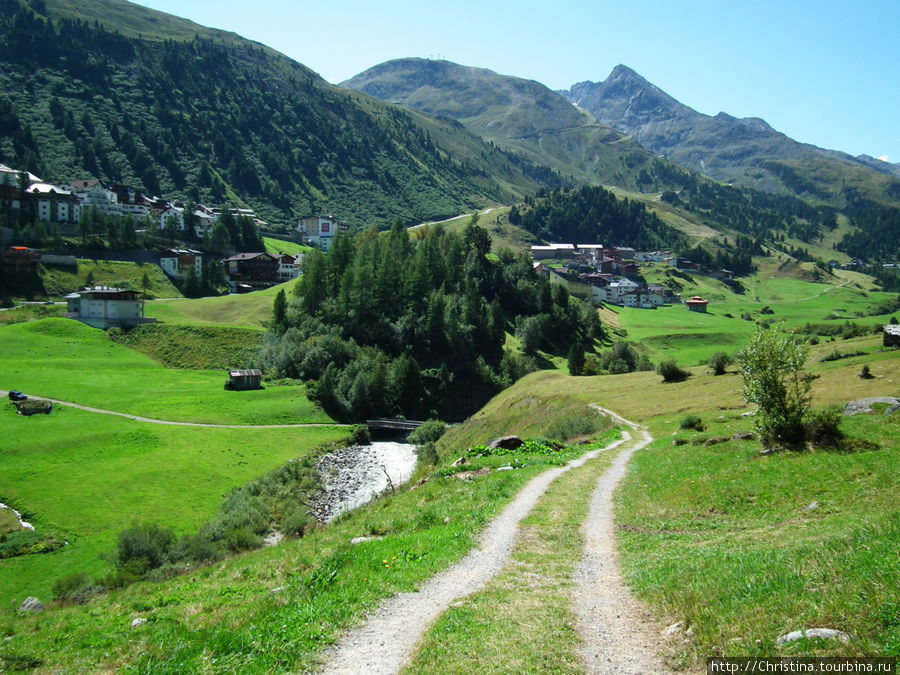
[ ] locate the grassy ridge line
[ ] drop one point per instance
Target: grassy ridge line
(523, 620)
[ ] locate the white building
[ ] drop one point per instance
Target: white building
(92, 194)
(176, 262)
(174, 212)
(103, 307)
(289, 266)
(55, 204)
(320, 230)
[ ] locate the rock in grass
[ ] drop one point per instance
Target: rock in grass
(137, 623)
(864, 405)
(824, 633)
(743, 436)
(32, 604)
(673, 629)
(364, 539)
(506, 442)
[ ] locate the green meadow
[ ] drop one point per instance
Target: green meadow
(250, 310)
(68, 361)
(276, 246)
(87, 476)
(740, 547)
(692, 337)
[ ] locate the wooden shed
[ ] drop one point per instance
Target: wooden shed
(239, 380)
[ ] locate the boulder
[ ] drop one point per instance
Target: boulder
(137, 623)
(32, 604)
(824, 633)
(743, 436)
(864, 405)
(506, 442)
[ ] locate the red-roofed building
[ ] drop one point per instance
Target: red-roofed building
(696, 304)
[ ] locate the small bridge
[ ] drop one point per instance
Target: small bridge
(393, 425)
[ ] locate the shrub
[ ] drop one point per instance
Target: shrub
(73, 587)
(771, 366)
(719, 362)
(692, 422)
(823, 427)
(241, 539)
(427, 453)
(143, 546)
(360, 435)
(296, 521)
(575, 424)
(670, 371)
(194, 548)
(429, 432)
(865, 373)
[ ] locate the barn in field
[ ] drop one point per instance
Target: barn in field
(241, 380)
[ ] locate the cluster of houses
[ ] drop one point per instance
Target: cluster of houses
(67, 204)
(609, 274)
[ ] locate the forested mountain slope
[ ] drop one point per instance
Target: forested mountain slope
(146, 99)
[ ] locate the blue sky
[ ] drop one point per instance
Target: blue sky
(822, 72)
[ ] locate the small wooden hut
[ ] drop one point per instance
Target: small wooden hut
(240, 380)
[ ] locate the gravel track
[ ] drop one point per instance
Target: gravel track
(386, 642)
(617, 635)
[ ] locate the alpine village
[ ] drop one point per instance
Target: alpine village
(435, 370)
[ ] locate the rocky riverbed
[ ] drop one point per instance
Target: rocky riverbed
(354, 476)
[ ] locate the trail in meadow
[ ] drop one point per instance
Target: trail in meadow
(149, 420)
(386, 642)
(617, 635)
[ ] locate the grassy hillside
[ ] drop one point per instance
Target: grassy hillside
(196, 347)
(66, 360)
(671, 540)
(250, 310)
(85, 477)
(62, 280)
(280, 246)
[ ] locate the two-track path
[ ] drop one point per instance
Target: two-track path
(615, 637)
(150, 420)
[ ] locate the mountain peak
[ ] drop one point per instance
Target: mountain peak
(623, 71)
